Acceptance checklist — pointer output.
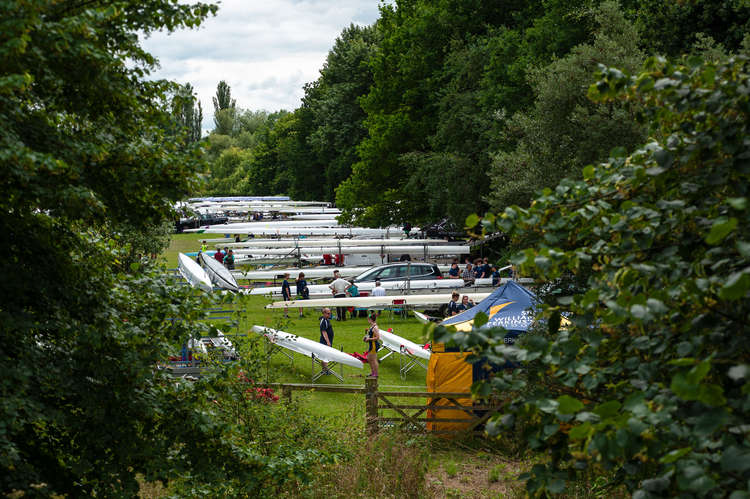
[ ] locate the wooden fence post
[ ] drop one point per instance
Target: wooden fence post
(371, 405)
(286, 392)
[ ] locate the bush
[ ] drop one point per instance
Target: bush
(651, 380)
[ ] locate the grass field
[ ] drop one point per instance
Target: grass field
(348, 338)
(453, 469)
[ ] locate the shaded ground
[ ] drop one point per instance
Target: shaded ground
(467, 473)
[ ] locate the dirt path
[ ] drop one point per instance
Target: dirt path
(474, 474)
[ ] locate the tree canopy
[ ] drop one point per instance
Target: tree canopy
(90, 167)
(454, 107)
(651, 378)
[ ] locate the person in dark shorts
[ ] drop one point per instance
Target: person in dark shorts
(303, 293)
(326, 333)
(372, 338)
(286, 293)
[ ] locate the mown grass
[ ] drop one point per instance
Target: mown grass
(392, 464)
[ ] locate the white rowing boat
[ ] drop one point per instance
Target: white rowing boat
(193, 273)
(399, 286)
(218, 273)
(307, 347)
(421, 300)
(302, 231)
(316, 243)
(357, 250)
(398, 344)
(310, 272)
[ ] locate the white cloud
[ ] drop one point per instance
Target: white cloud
(265, 51)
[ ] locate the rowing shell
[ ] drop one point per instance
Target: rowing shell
(193, 273)
(307, 347)
(421, 284)
(397, 343)
(218, 273)
(376, 301)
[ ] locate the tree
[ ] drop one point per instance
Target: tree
(187, 112)
(671, 28)
(565, 130)
(433, 102)
(86, 159)
(225, 113)
(334, 118)
(651, 378)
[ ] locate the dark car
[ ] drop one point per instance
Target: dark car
(444, 229)
(203, 220)
(400, 272)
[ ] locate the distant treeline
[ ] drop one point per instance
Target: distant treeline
(452, 107)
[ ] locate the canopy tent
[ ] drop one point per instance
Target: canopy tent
(510, 306)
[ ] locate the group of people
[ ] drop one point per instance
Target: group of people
(225, 257)
(480, 269)
(454, 307)
(303, 292)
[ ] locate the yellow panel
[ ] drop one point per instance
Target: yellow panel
(449, 372)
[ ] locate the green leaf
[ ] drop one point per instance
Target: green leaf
(480, 319)
(697, 373)
(580, 432)
(547, 405)
(720, 229)
(687, 361)
(568, 405)
(675, 455)
(736, 286)
(735, 459)
(739, 204)
(712, 395)
(683, 388)
(608, 409)
(471, 221)
(556, 486)
(588, 172)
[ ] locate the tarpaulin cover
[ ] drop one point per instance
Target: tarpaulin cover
(449, 372)
(510, 306)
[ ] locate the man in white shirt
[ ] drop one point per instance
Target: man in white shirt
(338, 288)
(378, 290)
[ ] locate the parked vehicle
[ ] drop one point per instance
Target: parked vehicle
(400, 272)
(195, 222)
(443, 229)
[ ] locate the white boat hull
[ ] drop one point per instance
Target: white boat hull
(218, 273)
(397, 343)
(435, 299)
(193, 273)
(307, 347)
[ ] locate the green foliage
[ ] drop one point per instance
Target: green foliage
(671, 28)
(650, 379)
(188, 114)
(333, 119)
(90, 171)
(436, 104)
(565, 130)
(225, 112)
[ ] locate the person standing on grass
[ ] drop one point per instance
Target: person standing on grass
(338, 288)
(286, 293)
(372, 338)
(326, 333)
(303, 293)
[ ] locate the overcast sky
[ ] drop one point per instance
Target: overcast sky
(266, 50)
